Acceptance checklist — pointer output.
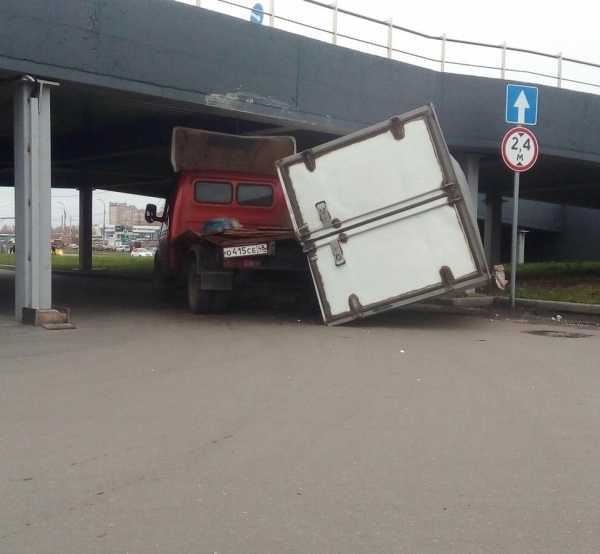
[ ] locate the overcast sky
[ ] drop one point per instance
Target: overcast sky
(549, 26)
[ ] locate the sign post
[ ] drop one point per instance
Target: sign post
(520, 151)
(514, 253)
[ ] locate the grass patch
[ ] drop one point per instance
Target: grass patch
(560, 270)
(583, 293)
(122, 264)
(560, 281)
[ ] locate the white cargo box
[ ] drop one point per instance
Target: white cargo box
(382, 217)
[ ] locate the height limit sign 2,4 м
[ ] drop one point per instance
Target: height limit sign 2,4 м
(519, 149)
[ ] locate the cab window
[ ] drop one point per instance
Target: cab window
(213, 192)
(252, 194)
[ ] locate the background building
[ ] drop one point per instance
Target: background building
(121, 213)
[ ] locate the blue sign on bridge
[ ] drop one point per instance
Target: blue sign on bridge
(257, 14)
(521, 104)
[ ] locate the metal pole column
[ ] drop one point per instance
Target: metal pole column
(32, 159)
(85, 228)
(443, 58)
(514, 259)
(334, 33)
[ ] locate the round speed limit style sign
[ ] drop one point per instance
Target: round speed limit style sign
(520, 149)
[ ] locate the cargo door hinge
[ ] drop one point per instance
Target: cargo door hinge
(447, 276)
(355, 305)
(303, 231)
(452, 190)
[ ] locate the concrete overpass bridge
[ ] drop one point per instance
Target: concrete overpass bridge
(129, 70)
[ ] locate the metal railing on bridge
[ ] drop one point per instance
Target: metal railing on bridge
(446, 54)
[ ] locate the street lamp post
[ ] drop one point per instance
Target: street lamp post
(64, 218)
(103, 218)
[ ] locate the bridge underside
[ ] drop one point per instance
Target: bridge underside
(120, 141)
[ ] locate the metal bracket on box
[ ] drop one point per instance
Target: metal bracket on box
(447, 276)
(338, 253)
(355, 305)
(308, 157)
(453, 192)
(325, 216)
(397, 128)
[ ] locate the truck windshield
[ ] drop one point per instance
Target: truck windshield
(213, 192)
(251, 194)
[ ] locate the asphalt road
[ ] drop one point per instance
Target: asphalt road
(150, 430)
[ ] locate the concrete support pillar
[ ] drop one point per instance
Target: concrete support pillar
(493, 227)
(85, 228)
(32, 169)
(471, 165)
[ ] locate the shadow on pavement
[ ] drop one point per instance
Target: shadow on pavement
(92, 296)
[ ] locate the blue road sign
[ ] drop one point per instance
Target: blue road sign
(521, 104)
(257, 14)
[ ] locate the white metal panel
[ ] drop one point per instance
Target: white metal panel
(389, 259)
(396, 229)
(367, 175)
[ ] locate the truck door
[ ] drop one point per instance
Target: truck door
(382, 218)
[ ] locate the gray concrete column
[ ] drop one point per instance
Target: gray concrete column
(85, 228)
(471, 165)
(493, 227)
(32, 168)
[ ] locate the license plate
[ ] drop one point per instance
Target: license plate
(247, 250)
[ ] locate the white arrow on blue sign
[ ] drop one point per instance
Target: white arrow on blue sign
(521, 104)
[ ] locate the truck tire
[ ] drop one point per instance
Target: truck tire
(199, 301)
(204, 301)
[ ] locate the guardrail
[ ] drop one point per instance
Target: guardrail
(556, 74)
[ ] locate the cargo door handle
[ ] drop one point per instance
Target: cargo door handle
(338, 253)
(325, 216)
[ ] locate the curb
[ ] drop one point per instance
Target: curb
(101, 275)
(554, 306)
(94, 274)
(467, 301)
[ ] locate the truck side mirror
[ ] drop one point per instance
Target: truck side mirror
(150, 214)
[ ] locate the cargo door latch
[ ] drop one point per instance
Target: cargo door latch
(338, 253)
(325, 216)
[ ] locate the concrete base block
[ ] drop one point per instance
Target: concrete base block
(48, 319)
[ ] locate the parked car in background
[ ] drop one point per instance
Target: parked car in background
(141, 253)
(122, 248)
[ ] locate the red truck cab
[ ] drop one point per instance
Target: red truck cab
(225, 224)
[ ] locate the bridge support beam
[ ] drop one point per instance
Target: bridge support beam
(471, 165)
(85, 228)
(493, 227)
(32, 170)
